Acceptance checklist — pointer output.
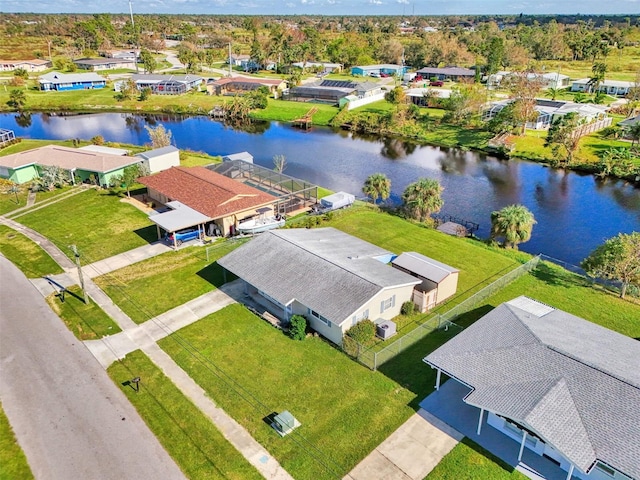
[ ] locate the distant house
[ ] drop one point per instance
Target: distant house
(558, 385)
(333, 279)
(325, 67)
(548, 80)
(35, 65)
(626, 124)
(71, 81)
(238, 60)
(120, 54)
(333, 91)
(167, 84)
(610, 87)
(82, 164)
(244, 156)
(388, 69)
(97, 64)
(222, 200)
(549, 110)
(160, 159)
(239, 85)
(447, 73)
(439, 281)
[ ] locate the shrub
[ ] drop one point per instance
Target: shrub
(298, 327)
(408, 308)
(363, 332)
(97, 140)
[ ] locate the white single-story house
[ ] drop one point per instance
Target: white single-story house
(333, 279)
(71, 81)
(548, 80)
(326, 67)
(559, 385)
(160, 159)
(439, 281)
(35, 65)
(549, 110)
(238, 59)
(610, 87)
(97, 64)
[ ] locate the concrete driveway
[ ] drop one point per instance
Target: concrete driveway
(70, 419)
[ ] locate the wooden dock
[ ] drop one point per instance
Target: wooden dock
(305, 121)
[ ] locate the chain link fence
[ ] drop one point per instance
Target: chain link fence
(375, 358)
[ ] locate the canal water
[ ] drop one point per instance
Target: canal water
(575, 212)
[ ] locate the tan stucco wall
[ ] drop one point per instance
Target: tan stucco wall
(447, 287)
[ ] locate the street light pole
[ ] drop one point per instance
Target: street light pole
(133, 29)
(81, 278)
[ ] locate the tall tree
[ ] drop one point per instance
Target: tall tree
(279, 163)
(377, 186)
(149, 62)
(514, 223)
(562, 135)
(160, 136)
(129, 176)
(617, 259)
(598, 71)
(422, 198)
(17, 99)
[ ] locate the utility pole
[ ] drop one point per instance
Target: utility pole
(133, 29)
(77, 257)
(230, 60)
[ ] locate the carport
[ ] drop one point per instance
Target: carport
(178, 218)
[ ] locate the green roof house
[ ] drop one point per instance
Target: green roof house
(81, 164)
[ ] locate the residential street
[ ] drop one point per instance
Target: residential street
(69, 417)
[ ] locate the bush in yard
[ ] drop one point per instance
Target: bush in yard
(298, 327)
(363, 332)
(408, 308)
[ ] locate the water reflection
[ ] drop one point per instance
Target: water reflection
(574, 211)
(23, 119)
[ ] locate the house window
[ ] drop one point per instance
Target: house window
(606, 470)
(387, 304)
(317, 316)
(356, 318)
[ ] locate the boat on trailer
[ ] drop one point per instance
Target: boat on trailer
(261, 223)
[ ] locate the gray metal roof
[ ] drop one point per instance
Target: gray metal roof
(629, 122)
(325, 269)
(424, 266)
(244, 156)
(157, 152)
(57, 77)
(180, 217)
(572, 382)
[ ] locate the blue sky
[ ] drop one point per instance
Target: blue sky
(327, 7)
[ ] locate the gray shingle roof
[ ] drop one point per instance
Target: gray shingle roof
(424, 266)
(57, 77)
(325, 269)
(157, 152)
(574, 383)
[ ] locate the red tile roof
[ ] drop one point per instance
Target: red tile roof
(207, 192)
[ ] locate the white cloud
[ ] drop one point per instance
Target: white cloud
(375, 2)
(403, 2)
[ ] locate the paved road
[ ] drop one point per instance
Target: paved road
(69, 417)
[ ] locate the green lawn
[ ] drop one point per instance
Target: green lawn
(286, 111)
(96, 221)
(13, 463)
(26, 255)
(87, 322)
(345, 409)
(469, 461)
(191, 439)
(153, 286)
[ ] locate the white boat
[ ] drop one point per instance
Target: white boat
(261, 223)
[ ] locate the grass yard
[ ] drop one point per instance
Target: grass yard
(13, 463)
(195, 444)
(286, 111)
(96, 221)
(26, 255)
(346, 410)
(469, 461)
(156, 285)
(87, 322)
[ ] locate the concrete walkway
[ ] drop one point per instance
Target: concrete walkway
(125, 259)
(114, 347)
(411, 452)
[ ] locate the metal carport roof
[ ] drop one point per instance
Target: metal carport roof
(178, 218)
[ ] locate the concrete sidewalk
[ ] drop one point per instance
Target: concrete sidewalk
(114, 347)
(409, 453)
(125, 259)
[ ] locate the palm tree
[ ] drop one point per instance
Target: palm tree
(634, 133)
(514, 223)
(377, 186)
(552, 93)
(422, 198)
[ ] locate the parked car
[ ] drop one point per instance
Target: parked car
(374, 75)
(436, 83)
(182, 236)
(384, 75)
